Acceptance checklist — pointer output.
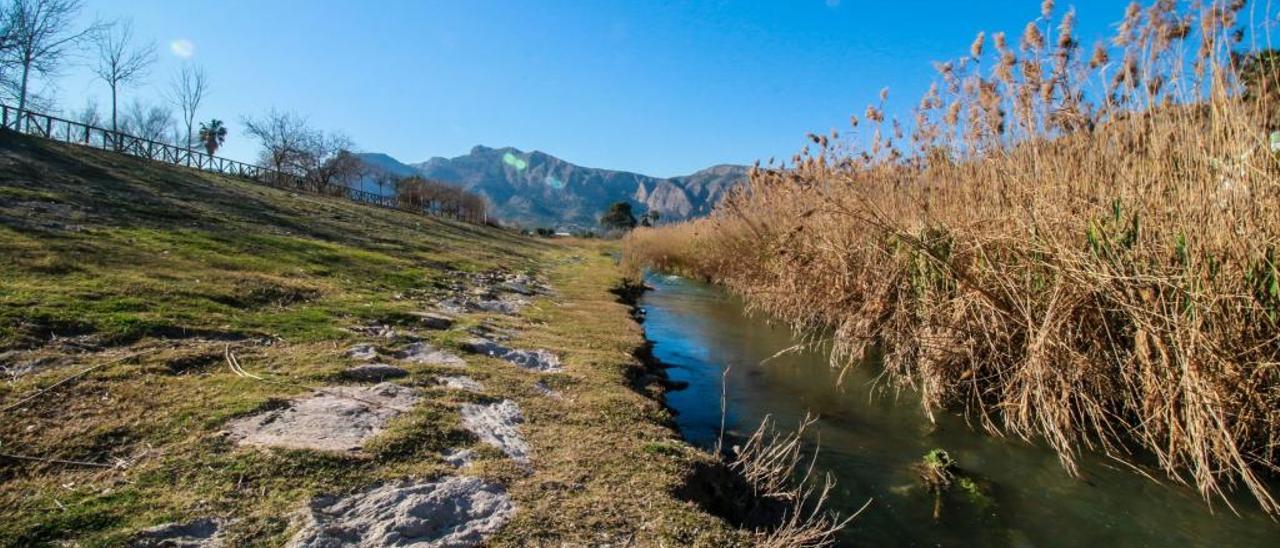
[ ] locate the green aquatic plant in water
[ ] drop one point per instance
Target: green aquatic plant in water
(976, 493)
(939, 473)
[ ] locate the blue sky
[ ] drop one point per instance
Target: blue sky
(659, 87)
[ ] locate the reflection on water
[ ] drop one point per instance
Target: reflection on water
(870, 440)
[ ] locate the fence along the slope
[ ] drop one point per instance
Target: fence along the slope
(69, 131)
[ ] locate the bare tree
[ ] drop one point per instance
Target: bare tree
(284, 137)
(417, 193)
(6, 44)
(151, 122)
(291, 146)
(40, 35)
(328, 163)
(190, 86)
(120, 62)
(89, 115)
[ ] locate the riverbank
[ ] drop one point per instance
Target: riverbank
(192, 357)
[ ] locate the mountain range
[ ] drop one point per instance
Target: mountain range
(538, 189)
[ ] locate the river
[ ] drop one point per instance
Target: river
(870, 439)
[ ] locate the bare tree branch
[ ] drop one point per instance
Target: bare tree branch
(40, 34)
(120, 62)
(151, 122)
(284, 137)
(6, 44)
(189, 88)
(89, 115)
(422, 194)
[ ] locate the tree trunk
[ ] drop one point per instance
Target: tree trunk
(114, 126)
(22, 95)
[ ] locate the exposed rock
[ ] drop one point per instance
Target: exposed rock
(451, 512)
(521, 288)
(332, 419)
(548, 191)
(362, 352)
(376, 330)
(524, 284)
(460, 458)
(533, 360)
(545, 390)
(498, 292)
(425, 353)
(462, 383)
(464, 304)
(487, 347)
(201, 533)
(13, 368)
(375, 372)
(432, 320)
(498, 306)
(486, 331)
(498, 424)
(453, 305)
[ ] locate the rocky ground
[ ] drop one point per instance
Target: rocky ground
(450, 510)
(471, 347)
(191, 360)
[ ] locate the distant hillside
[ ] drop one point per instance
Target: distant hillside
(535, 188)
(388, 164)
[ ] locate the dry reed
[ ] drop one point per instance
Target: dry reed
(1077, 247)
(770, 461)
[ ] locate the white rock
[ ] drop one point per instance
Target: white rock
(424, 353)
(460, 458)
(534, 360)
(450, 512)
(462, 383)
(498, 424)
(333, 419)
(362, 352)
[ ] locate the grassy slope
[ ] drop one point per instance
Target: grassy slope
(108, 256)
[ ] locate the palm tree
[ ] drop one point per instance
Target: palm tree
(212, 135)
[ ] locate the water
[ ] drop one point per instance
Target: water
(870, 440)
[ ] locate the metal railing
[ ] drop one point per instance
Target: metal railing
(69, 131)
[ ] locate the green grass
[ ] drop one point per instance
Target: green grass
(120, 256)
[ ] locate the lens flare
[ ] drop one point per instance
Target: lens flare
(514, 161)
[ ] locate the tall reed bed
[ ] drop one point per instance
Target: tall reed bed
(1071, 244)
